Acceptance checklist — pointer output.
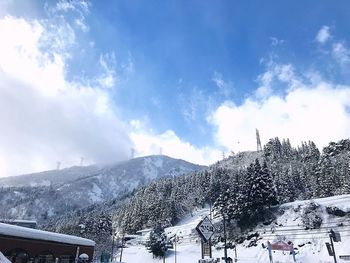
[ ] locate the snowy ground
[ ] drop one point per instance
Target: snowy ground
(310, 244)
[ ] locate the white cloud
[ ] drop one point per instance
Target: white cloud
(44, 118)
(146, 142)
(225, 88)
(341, 54)
(108, 78)
(323, 35)
(275, 41)
(80, 8)
(317, 112)
(192, 104)
(281, 73)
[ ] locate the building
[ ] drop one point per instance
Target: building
(24, 223)
(27, 245)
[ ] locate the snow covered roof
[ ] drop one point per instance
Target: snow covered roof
(145, 230)
(18, 221)
(24, 232)
(3, 259)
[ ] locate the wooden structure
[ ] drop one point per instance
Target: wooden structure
(26, 245)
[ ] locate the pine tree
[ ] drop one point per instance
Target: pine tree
(157, 242)
(268, 187)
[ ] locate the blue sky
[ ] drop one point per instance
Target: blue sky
(193, 78)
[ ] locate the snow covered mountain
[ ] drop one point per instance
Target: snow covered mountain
(240, 160)
(48, 178)
(58, 192)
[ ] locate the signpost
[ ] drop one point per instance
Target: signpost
(206, 229)
(333, 236)
(280, 245)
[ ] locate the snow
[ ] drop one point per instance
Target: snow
(310, 244)
(23, 232)
(20, 221)
(95, 194)
(80, 187)
(3, 259)
(150, 168)
(341, 201)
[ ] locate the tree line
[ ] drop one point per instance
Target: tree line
(279, 174)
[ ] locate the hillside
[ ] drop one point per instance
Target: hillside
(242, 186)
(289, 225)
(48, 178)
(59, 192)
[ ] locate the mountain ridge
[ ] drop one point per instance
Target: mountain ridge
(47, 199)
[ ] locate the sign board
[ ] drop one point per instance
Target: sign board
(206, 249)
(280, 245)
(345, 257)
(330, 249)
(335, 236)
(206, 229)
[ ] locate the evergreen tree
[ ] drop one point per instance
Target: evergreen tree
(268, 186)
(157, 242)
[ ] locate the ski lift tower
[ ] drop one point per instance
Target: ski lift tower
(258, 142)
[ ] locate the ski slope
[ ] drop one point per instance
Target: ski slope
(309, 244)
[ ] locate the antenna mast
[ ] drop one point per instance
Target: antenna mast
(258, 142)
(58, 165)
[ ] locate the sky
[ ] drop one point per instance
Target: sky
(90, 82)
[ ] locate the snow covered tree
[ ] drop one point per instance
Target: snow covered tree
(268, 188)
(157, 242)
(256, 194)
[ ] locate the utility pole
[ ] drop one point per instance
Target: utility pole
(225, 245)
(121, 249)
(58, 165)
(258, 142)
(236, 253)
(331, 235)
(132, 153)
(210, 208)
(113, 239)
(175, 246)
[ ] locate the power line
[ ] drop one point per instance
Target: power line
(300, 234)
(325, 223)
(303, 238)
(301, 229)
(339, 224)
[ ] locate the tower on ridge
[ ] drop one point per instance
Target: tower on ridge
(258, 142)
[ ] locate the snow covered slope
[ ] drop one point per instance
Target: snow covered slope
(49, 177)
(293, 223)
(240, 160)
(79, 187)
